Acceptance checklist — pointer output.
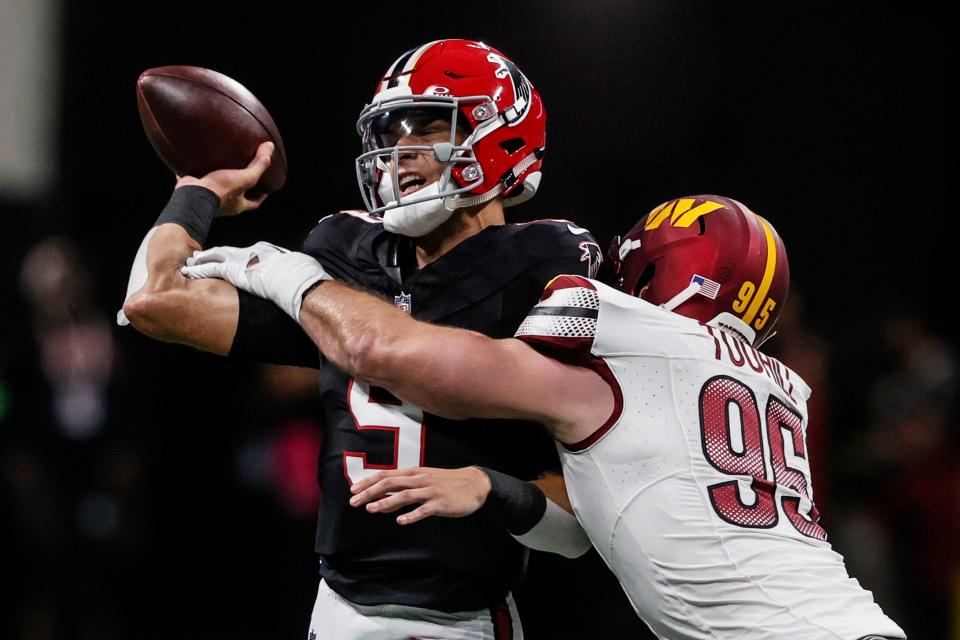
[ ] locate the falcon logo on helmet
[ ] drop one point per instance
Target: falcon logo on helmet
(709, 258)
(521, 87)
(487, 100)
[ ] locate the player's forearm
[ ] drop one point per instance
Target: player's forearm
(167, 251)
(165, 305)
(447, 371)
(351, 327)
(421, 363)
(169, 307)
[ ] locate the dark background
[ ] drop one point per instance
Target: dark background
(182, 504)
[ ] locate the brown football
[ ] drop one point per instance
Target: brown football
(199, 120)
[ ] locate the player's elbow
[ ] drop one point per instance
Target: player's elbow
(379, 355)
(150, 313)
(411, 364)
(367, 355)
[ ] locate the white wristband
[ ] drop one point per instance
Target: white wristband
(557, 532)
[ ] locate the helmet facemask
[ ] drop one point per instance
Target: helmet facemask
(384, 123)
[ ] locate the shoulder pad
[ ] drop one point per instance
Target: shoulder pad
(340, 228)
(565, 319)
(337, 241)
(353, 217)
(559, 238)
(552, 227)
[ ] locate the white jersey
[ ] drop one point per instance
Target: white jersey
(697, 490)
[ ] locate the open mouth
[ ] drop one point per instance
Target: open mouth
(411, 183)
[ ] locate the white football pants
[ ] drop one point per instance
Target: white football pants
(336, 618)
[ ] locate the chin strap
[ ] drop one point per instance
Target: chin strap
(463, 203)
(420, 218)
(729, 322)
(508, 181)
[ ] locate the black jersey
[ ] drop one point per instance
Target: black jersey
(487, 284)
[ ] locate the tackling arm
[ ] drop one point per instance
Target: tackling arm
(452, 372)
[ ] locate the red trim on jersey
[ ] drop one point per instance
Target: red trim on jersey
(600, 366)
(566, 282)
(364, 427)
(502, 622)
(576, 351)
(557, 346)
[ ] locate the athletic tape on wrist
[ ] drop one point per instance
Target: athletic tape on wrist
(192, 207)
(516, 504)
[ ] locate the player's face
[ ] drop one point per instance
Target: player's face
(418, 168)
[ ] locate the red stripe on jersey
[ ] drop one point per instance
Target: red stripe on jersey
(566, 282)
(600, 366)
(557, 346)
(576, 351)
(502, 622)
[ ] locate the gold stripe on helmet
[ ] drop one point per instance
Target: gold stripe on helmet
(768, 272)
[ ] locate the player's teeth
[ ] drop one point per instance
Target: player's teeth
(411, 183)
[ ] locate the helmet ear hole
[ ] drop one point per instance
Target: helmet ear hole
(645, 278)
(512, 145)
(703, 225)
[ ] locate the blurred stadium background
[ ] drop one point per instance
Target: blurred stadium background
(150, 491)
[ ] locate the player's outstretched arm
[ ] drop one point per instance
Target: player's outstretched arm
(164, 304)
(452, 372)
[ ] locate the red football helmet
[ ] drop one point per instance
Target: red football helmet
(471, 85)
(709, 258)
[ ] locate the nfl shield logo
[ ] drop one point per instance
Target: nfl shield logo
(403, 301)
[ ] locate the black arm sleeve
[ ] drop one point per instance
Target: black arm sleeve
(516, 505)
(267, 334)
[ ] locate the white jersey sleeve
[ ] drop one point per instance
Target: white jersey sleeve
(697, 491)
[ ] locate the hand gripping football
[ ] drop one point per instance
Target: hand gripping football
(199, 121)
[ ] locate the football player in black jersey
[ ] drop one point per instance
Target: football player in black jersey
(454, 134)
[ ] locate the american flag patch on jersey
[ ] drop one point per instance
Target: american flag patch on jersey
(708, 287)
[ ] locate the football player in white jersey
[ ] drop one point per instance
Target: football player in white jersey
(683, 446)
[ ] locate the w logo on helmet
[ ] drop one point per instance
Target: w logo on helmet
(680, 213)
(521, 87)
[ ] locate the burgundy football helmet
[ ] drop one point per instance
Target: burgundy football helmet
(475, 88)
(709, 258)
